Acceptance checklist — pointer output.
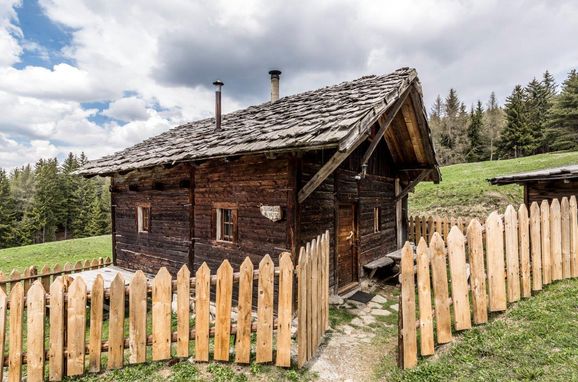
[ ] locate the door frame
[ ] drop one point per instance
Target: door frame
(355, 265)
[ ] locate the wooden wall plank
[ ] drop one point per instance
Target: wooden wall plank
(183, 311)
(35, 313)
(408, 308)
(56, 348)
(477, 272)
(265, 311)
(424, 298)
(536, 246)
(565, 237)
(284, 311)
(15, 334)
(137, 332)
(223, 317)
(314, 296)
(441, 290)
(161, 314)
(524, 250)
(574, 236)
(116, 323)
(202, 312)
(556, 239)
(96, 319)
(244, 315)
(302, 308)
(495, 263)
(76, 327)
(545, 239)
(459, 282)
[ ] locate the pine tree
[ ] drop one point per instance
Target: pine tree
(70, 184)
(516, 139)
(477, 144)
(8, 235)
(563, 119)
(494, 122)
(97, 224)
(537, 108)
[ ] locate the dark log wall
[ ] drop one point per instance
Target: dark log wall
(249, 182)
(538, 191)
(377, 189)
(168, 242)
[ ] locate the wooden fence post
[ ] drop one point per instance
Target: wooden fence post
(424, 298)
(224, 299)
(76, 327)
(565, 237)
(546, 257)
(183, 311)
(512, 257)
(245, 306)
(574, 236)
(536, 249)
(137, 333)
(35, 313)
(57, 328)
(116, 324)
(302, 308)
(556, 239)
(15, 335)
(284, 311)
(96, 316)
(265, 311)
(441, 290)
(161, 315)
(495, 263)
(408, 330)
(3, 309)
(477, 271)
(460, 292)
(524, 249)
(202, 312)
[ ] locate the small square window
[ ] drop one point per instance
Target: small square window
(376, 219)
(226, 224)
(144, 218)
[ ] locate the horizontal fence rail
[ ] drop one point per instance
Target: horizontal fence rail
(64, 329)
(513, 256)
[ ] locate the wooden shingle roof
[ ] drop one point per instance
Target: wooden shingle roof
(564, 172)
(328, 117)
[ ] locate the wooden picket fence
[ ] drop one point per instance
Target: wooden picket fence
(57, 341)
(522, 253)
(426, 226)
(48, 273)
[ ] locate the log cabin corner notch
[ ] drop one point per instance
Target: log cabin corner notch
(274, 176)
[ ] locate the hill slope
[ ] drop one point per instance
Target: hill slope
(464, 190)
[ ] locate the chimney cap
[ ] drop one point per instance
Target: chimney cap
(218, 83)
(275, 73)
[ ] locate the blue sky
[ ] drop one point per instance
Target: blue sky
(99, 75)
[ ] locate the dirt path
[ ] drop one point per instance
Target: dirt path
(354, 350)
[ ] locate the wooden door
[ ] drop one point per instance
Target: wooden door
(346, 249)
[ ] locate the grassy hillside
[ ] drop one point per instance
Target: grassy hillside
(464, 190)
(58, 252)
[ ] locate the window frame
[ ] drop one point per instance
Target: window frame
(219, 222)
(143, 220)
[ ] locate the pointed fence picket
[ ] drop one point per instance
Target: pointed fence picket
(63, 330)
(522, 252)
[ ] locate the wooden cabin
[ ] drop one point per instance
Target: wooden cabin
(272, 177)
(548, 184)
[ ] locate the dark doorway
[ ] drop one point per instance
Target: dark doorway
(347, 273)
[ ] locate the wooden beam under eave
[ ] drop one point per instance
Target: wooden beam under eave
(411, 125)
(385, 121)
(412, 185)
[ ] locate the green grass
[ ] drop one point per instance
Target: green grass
(58, 252)
(464, 190)
(534, 340)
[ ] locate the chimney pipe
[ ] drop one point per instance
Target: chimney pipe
(275, 74)
(218, 85)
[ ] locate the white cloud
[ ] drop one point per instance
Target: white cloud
(127, 109)
(9, 48)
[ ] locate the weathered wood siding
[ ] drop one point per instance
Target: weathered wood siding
(168, 242)
(248, 182)
(377, 189)
(548, 190)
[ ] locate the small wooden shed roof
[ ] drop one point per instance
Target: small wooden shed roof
(564, 172)
(336, 116)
